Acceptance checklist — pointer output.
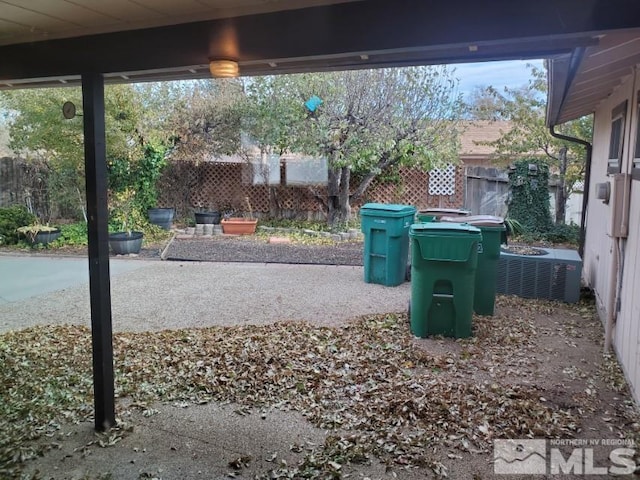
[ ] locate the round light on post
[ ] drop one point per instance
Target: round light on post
(223, 68)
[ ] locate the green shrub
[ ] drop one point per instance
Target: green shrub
(12, 218)
(529, 195)
(514, 227)
(560, 233)
(74, 234)
(317, 226)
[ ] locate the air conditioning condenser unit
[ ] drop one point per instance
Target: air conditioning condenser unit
(555, 275)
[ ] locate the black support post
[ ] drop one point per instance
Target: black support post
(99, 283)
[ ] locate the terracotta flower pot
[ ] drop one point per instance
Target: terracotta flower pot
(239, 226)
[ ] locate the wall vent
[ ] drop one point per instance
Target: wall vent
(554, 276)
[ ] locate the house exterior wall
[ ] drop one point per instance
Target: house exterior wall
(599, 271)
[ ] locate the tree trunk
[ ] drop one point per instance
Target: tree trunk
(383, 164)
(274, 203)
(561, 194)
(338, 201)
(333, 190)
(344, 205)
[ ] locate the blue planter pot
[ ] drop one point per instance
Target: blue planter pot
(124, 243)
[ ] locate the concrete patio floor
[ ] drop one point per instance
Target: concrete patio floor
(154, 295)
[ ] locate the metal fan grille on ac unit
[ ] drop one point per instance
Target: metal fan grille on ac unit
(554, 276)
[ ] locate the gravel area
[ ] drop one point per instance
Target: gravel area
(256, 250)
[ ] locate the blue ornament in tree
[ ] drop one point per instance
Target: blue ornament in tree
(313, 103)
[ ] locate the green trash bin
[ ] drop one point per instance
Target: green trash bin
(494, 234)
(444, 258)
(386, 242)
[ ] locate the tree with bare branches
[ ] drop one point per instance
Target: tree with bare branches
(529, 137)
(364, 123)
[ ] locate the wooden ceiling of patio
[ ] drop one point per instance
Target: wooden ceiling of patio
(339, 36)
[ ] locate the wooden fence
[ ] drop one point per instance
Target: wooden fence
(487, 190)
(24, 183)
(225, 186)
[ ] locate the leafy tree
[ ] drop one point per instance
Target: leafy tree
(272, 113)
(368, 122)
(529, 137)
(485, 103)
(204, 120)
(273, 119)
(39, 131)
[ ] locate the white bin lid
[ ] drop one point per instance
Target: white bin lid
(477, 220)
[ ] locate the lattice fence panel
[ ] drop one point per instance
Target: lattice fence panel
(225, 186)
(413, 189)
(442, 181)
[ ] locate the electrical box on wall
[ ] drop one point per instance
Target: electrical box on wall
(619, 202)
(603, 191)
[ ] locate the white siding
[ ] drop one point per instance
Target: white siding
(599, 247)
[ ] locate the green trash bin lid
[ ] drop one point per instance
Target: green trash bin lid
(451, 242)
(387, 210)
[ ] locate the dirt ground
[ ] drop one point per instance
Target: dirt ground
(361, 398)
(534, 370)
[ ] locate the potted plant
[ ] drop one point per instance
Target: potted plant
(161, 216)
(124, 242)
(39, 234)
(209, 216)
(240, 225)
(147, 173)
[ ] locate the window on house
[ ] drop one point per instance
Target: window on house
(635, 173)
(616, 141)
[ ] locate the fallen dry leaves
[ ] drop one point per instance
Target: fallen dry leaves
(377, 390)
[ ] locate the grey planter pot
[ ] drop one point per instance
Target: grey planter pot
(162, 217)
(208, 218)
(46, 237)
(124, 243)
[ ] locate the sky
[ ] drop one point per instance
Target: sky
(512, 74)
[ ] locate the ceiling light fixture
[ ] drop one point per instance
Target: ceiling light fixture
(224, 68)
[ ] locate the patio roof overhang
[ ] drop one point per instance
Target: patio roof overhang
(580, 80)
(273, 37)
